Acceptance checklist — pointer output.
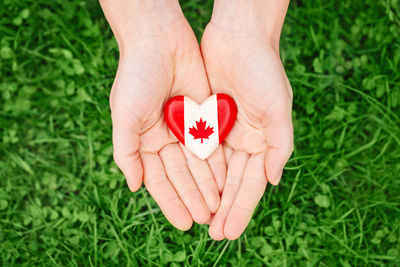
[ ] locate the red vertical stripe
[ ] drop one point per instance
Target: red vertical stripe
(174, 115)
(227, 112)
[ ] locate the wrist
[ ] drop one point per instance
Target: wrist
(261, 18)
(133, 20)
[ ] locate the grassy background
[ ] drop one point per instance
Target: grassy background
(64, 202)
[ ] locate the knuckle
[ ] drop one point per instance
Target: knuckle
(178, 168)
(190, 160)
(164, 203)
(154, 181)
(190, 192)
(245, 209)
(205, 180)
(217, 164)
(226, 203)
(233, 180)
(255, 182)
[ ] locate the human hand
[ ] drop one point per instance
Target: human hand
(241, 52)
(160, 58)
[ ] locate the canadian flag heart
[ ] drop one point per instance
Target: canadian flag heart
(201, 128)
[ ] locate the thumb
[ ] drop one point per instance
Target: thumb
(279, 137)
(190, 74)
(126, 144)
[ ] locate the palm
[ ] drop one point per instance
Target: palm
(252, 73)
(158, 67)
(249, 69)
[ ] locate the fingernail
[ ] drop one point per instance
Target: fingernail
(129, 184)
(277, 178)
(133, 187)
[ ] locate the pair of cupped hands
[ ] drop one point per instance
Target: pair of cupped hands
(160, 58)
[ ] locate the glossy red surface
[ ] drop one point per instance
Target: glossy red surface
(227, 112)
(174, 111)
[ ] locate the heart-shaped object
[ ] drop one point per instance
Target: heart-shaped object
(201, 128)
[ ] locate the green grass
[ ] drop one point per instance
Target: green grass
(63, 201)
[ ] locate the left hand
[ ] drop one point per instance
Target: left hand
(242, 60)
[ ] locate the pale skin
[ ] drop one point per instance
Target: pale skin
(241, 53)
(239, 56)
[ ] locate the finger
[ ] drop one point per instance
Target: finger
(126, 143)
(250, 192)
(190, 74)
(228, 153)
(216, 229)
(236, 168)
(218, 167)
(279, 136)
(180, 177)
(163, 192)
(210, 220)
(204, 179)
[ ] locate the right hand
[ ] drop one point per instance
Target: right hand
(160, 58)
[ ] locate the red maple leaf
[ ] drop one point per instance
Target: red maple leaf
(201, 132)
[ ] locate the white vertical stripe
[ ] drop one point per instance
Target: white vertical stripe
(208, 112)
